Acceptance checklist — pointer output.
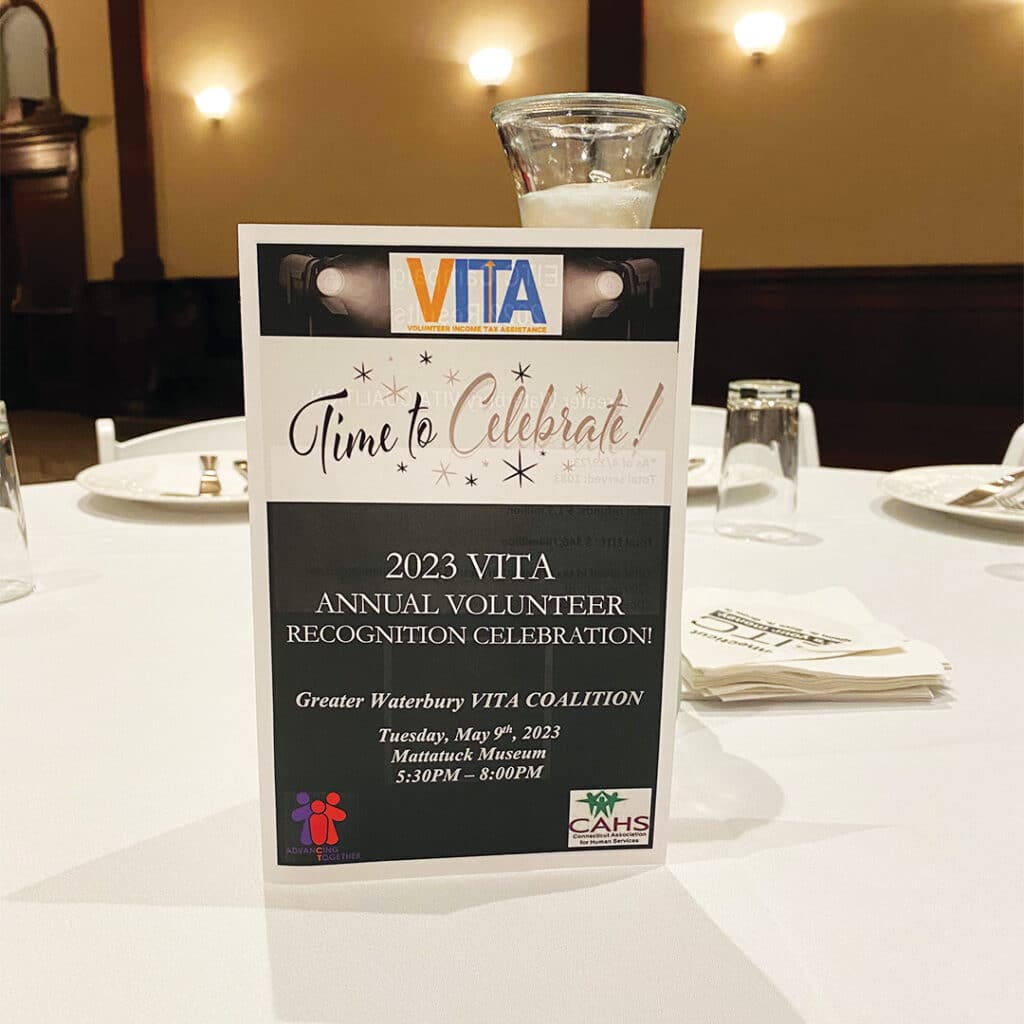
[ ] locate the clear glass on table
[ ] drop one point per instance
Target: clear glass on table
(757, 489)
(15, 569)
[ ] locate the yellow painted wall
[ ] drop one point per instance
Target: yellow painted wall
(357, 112)
(881, 132)
(86, 86)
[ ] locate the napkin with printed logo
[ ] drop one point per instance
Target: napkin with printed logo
(823, 645)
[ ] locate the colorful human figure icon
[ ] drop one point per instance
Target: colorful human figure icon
(324, 814)
(303, 813)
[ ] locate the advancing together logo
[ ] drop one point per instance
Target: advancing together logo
(597, 819)
(318, 818)
(318, 832)
(476, 293)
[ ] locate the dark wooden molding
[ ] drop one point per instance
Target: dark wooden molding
(615, 46)
(38, 146)
(140, 260)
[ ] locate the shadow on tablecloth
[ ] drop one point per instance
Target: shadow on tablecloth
(166, 515)
(605, 944)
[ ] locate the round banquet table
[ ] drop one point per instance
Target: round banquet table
(827, 862)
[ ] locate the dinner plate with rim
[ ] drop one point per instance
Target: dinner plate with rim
(170, 480)
(933, 487)
(703, 478)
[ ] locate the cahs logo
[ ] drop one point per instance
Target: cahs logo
(601, 817)
(476, 293)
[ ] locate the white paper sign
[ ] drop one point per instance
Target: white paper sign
(467, 454)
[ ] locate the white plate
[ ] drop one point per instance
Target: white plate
(705, 476)
(932, 486)
(149, 478)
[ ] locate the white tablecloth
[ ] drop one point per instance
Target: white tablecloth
(828, 863)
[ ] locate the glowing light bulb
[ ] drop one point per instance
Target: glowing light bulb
(214, 102)
(760, 33)
(608, 284)
(330, 281)
(491, 66)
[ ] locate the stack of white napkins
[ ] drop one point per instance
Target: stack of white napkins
(823, 645)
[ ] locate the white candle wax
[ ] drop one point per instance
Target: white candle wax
(601, 204)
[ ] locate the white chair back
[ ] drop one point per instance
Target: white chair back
(224, 434)
(707, 427)
(1015, 451)
(809, 454)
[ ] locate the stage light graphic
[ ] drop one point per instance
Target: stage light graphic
(344, 285)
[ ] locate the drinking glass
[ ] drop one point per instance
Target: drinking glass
(757, 488)
(15, 571)
(587, 159)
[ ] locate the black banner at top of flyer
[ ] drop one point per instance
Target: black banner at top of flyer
(585, 294)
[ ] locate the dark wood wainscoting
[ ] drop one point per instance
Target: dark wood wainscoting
(904, 366)
(168, 349)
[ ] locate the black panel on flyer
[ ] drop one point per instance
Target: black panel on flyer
(344, 291)
(465, 727)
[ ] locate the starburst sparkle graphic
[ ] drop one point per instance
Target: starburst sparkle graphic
(444, 473)
(519, 471)
(395, 391)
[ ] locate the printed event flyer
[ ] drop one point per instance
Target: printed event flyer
(467, 454)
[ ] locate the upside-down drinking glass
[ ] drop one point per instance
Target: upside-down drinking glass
(757, 488)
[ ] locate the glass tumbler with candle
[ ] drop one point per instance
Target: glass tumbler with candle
(757, 487)
(587, 160)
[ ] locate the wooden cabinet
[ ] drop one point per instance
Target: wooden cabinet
(43, 234)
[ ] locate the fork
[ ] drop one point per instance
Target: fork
(1011, 502)
(209, 482)
(986, 492)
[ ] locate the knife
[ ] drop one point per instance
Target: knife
(986, 491)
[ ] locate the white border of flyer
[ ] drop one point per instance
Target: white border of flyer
(467, 491)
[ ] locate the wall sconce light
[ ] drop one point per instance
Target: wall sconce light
(214, 102)
(760, 33)
(491, 66)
